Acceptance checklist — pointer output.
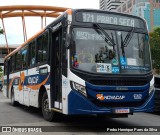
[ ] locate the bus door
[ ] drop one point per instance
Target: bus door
(56, 69)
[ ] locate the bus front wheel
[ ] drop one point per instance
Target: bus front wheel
(48, 114)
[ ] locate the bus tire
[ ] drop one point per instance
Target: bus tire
(48, 115)
(13, 102)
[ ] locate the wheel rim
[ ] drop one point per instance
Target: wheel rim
(46, 106)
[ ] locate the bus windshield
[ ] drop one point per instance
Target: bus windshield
(113, 53)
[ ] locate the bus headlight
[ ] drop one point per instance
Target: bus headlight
(151, 88)
(80, 88)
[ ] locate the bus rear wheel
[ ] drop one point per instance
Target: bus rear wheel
(13, 102)
(48, 114)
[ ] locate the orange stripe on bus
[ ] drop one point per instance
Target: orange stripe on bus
(69, 11)
(35, 87)
(10, 84)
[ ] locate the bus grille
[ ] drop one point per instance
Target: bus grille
(157, 82)
(119, 82)
(117, 104)
(157, 94)
(157, 85)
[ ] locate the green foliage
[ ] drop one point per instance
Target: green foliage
(1, 70)
(155, 48)
(1, 31)
(1, 74)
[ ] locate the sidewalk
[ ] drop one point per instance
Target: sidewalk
(3, 98)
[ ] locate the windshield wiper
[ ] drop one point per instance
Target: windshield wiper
(107, 37)
(126, 41)
(128, 37)
(122, 46)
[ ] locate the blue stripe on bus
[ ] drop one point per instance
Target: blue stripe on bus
(30, 80)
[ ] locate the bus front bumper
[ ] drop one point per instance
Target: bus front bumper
(78, 104)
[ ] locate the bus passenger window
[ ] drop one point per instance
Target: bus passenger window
(42, 47)
(5, 68)
(24, 57)
(33, 61)
(32, 54)
(18, 60)
(39, 50)
(10, 65)
(13, 63)
(45, 46)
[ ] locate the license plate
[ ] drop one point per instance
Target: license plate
(122, 110)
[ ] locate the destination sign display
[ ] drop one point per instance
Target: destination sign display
(114, 19)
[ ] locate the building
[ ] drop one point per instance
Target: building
(150, 11)
(110, 5)
(4, 52)
(127, 6)
(147, 9)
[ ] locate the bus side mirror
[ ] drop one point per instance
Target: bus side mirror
(68, 41)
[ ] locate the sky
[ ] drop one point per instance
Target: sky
(14, 27)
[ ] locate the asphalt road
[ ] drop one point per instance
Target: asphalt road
(26, 116)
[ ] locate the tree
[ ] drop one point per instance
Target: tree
(1, 72)
(155, 48)
(1, 31)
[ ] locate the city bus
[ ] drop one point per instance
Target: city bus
(86, 62)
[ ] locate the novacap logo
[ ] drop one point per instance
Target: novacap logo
(100, 97)
(109, 97)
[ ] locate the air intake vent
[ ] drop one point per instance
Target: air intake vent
(117, 104)
(119, 82)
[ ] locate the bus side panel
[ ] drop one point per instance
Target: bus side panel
(30, 82)
(26, 85)
(4, 89)
(16, 88)
(34, 81)
(12, 78)
(25, 90)
(65, 91)
(33, 97)
(14, 83)
(10, 85)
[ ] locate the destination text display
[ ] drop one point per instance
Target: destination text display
(109, 19)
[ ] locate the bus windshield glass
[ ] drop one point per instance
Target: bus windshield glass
(110, 52)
